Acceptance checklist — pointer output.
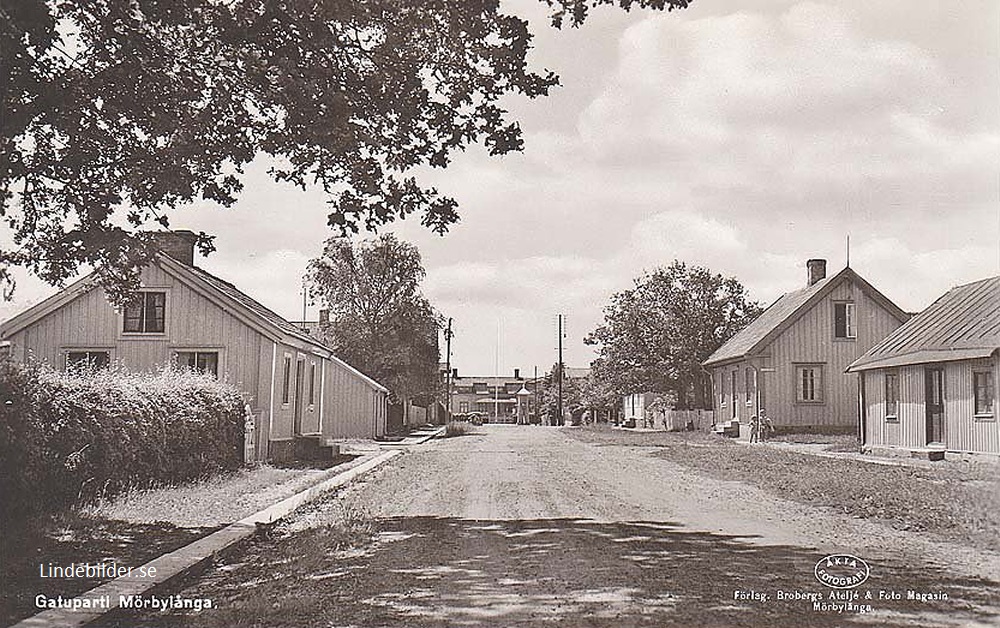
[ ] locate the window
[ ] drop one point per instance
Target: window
(76, 360)
(479, 388)
(809, 383)
(732, 391)
(286, 379)
(982, 386)
(201, 361)
(748, 383)
(722, 389)
(463, 406)
(891, 395)
(844, 321)
(312, 383)
(147, 314)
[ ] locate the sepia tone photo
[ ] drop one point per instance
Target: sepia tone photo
(350, 313)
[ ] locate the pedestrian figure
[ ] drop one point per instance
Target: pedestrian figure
(754, 429)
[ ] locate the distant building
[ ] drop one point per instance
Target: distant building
(932, 383)
(493, 397)
(790, 361)
(300, 393)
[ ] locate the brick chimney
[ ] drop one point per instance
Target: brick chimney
(817, 270)
(177, 244)
(517, 373)
(324, 317)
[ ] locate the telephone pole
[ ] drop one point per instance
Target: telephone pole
(559, 375)
(447, 366)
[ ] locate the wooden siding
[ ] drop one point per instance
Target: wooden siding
(192, 322)
(963, 432)
(810, 340)
(722, 380)
(346, 405)
(354, 405)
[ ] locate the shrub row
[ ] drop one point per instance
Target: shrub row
(68, 438)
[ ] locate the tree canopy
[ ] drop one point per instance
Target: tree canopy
(116, 112)
(656, 335)
(379, 321)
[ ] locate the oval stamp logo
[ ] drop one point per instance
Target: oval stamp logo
(842, 571)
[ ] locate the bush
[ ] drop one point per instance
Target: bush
(67, 438)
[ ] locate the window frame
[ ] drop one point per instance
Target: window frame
(818, 390)
(143, 311)
(286, 380)
(733, 393)
(312, 384)
(66, 351)
(177, 351)
(722, 389)
(990, 386)
(750, 383)
(850, 320)
(890, 376)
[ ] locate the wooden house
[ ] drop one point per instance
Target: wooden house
(790, 361)
(930, 386)
(301, 395)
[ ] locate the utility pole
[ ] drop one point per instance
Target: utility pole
(559, 375)
(534, 390)
(305, 294)
(447, 366)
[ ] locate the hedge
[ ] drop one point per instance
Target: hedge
(69, 438)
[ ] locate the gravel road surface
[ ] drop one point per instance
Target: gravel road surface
(527, 526)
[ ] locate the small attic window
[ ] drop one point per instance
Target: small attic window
(147, 314)
(844, 321)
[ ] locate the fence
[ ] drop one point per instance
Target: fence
(680, 420)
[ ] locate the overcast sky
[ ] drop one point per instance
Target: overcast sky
(743, 136)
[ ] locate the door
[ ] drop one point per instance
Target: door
(934, 403)
(300, 367)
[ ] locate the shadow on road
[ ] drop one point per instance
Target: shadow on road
(444, 571)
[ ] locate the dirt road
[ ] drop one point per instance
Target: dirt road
(525, 526)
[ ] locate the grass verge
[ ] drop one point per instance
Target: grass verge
(290, 565)
(72, 538)
(130, 530)
(961, 503)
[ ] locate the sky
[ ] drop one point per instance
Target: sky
(746, 137)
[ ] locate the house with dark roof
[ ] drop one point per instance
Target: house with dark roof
(790, 362)
(301, 395)
(930, 386)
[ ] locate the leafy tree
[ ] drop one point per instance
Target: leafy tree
(116, 112)
(379, 321)
(656, 335)
(580, 394)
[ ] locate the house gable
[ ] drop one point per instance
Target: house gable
(963, 324)
(791, 307)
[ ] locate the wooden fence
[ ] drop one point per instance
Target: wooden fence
(679, 420)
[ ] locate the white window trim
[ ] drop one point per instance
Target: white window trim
(850, 321)
(287, 381)
(89, 348)
(984, 416)
(894, 417)
(139, 335)
(821, 388)
(174, 351)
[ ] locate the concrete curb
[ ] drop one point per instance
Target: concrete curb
(403, 444)
(169, 566)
